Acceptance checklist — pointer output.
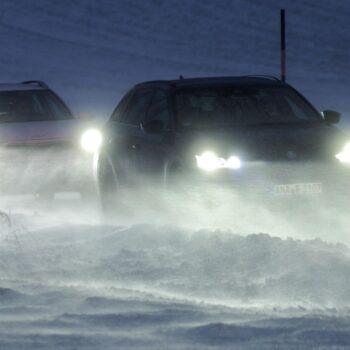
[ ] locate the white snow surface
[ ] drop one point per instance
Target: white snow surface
(70, 280)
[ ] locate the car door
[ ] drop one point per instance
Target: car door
(155, 147)
(124, 129)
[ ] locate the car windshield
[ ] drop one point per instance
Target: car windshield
(30, 106)
(241, 106)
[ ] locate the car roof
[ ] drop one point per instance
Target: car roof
(214, 81)
(24, 86)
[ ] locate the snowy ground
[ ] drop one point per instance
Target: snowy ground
(71, 281)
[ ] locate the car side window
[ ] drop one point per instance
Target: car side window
(159, 109)
(118, 113)
(137, 107)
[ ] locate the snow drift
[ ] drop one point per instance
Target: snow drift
(212, 266)
(150, 286)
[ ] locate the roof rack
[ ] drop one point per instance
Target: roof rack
(270, 77)
(35, 82)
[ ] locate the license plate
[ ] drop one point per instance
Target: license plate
(300, 188)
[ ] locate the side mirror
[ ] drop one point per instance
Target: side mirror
(153, 127)
(331, 117)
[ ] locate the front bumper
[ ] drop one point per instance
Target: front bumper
(278, 179)
(34, 169)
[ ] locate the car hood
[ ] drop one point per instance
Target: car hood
(40, 133)
(268, 142)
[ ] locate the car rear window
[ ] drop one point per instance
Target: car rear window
(30, 106)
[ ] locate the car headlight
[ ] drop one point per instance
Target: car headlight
(344, 155)
(233, 163)
(91, 140)
(209, 161)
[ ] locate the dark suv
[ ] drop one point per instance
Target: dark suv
(255, 133)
